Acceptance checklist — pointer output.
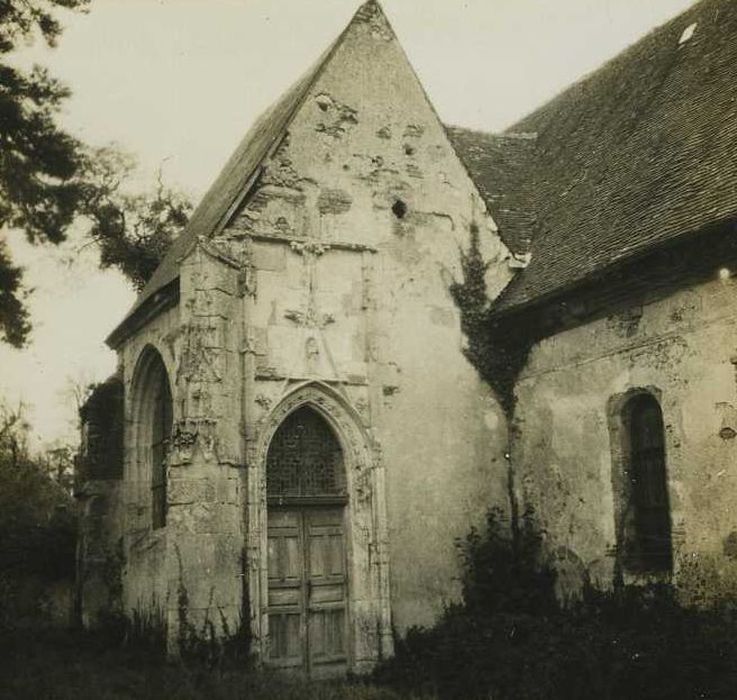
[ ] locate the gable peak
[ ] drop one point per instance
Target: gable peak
(372, 14)
(370, 7)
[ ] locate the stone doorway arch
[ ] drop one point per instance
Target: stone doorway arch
(361, 515)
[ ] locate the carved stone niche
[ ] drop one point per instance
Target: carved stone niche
(192, 436)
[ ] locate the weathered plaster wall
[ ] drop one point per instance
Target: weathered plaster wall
(97, 488)
(335, 270)
(357, 224)
(193, 565)
(682, 348)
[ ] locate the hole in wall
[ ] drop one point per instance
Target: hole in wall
(323, 102)
(399, 208)
(408, 149)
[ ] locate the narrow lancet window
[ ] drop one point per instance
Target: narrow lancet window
(647, 529)
(159, 430)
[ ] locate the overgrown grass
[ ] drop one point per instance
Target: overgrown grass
(512, 640)
(63, 665)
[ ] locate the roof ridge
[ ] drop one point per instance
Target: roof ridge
(634, 156)
(531, 135)
(621, 56)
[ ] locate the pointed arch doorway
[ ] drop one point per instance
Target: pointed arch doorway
(315, 504)
(307, 579)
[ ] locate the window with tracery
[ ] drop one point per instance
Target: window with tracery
(305, 458)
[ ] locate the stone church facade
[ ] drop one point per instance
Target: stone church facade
(295, 437)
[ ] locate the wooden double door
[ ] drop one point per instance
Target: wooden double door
(307, 589)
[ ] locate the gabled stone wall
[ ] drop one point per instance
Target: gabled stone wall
(328, 285)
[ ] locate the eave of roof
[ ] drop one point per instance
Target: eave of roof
(162, 299)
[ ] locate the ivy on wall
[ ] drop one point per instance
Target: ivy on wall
(495, 348)
(101, 455)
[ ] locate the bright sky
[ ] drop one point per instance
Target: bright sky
(177, 82)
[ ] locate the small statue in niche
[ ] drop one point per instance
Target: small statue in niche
(312, 354)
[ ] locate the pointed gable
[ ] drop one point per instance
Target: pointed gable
(344, 63)
(234, 179)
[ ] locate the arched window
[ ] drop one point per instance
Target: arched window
(153, 420)
(647, 526)
(160, 436)
(305, 458)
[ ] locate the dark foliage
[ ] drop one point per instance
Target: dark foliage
(132, 231)
(101, 415)
(38, 161)
(14, 323)
(79, 665)
(37, 523)
(496, 350)
(511, 639)
(48, 179)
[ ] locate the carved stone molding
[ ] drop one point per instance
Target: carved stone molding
(198, 359)
(366, 520)
(190, 436)
(309, 247)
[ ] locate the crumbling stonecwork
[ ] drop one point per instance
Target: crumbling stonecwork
(345, 266)
(324, 284)
(98, 481)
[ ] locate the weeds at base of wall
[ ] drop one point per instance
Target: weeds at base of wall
(511, 639)
(63, 665)
(206, 644)
(213, 644)
(197, 651)
(143, 630)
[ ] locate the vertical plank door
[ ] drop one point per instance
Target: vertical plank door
(326, 591)
(287, 633)
(307, 590)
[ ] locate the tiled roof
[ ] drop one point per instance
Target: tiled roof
(638, 154)
(499, 163)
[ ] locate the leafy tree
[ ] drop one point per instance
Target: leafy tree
(14, 325)
(48, 178)
(37, 520)
(132, 231)
(38, 160)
